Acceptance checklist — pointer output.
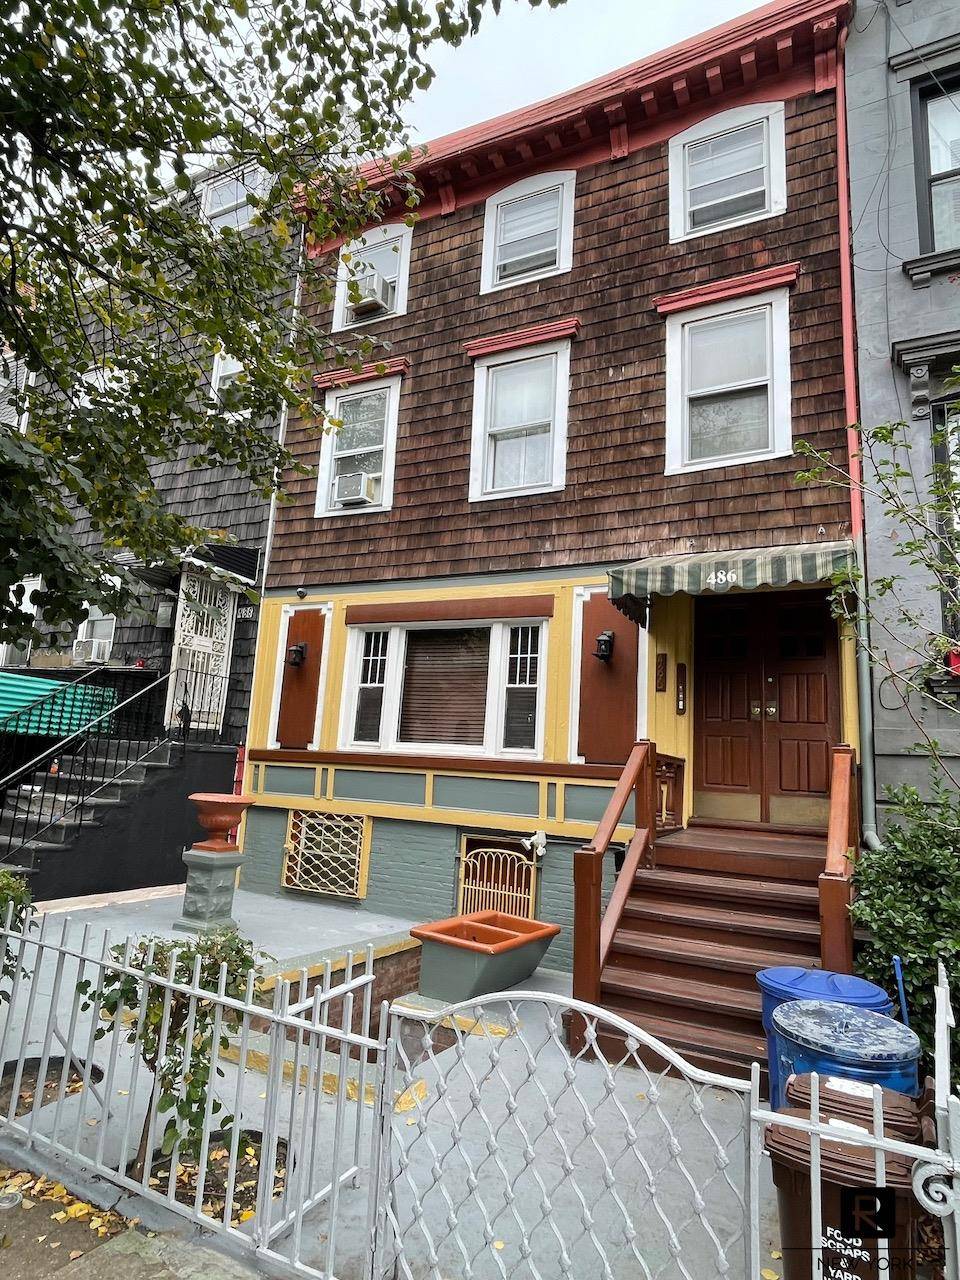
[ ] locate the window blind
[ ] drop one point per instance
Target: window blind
(444, 695)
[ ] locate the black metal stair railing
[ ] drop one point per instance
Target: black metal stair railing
(77, 779)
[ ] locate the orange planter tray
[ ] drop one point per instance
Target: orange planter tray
(489, 932)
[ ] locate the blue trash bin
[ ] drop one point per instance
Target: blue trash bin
(840, 1040)
(790, 982)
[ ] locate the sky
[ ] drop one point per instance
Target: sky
(526, 54)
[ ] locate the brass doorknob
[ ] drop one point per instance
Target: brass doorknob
(771, 711)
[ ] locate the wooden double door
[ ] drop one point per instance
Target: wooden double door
(766, 707)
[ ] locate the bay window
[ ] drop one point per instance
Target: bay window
(454, 689)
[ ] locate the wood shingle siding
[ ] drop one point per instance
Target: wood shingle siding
(617, 504)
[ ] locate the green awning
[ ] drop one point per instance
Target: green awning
(719, 571)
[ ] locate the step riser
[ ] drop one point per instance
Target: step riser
(700, 970)
(719, 1016)
(773, 939)
(763, 865)
(728, 899)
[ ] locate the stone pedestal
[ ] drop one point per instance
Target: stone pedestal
(212, 864)
(208, 899)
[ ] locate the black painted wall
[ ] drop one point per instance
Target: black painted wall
(140, 844)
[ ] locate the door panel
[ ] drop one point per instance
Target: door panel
(301, 683)
(767, 707)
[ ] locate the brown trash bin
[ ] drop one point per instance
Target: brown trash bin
(852, 1100)
(845, 1256)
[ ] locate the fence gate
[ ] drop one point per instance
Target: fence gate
(497, 879)
(519, 1158)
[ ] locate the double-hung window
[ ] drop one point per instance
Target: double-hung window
(520, 422)
(727, 170)
(226, 200)
(455, 689)
(372, 277)
(939, 168)
(728, 383)
(528, 231)
(357, 455)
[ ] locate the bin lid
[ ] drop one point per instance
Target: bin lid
(841, 1163)
(853, 1100)
(792, 982)
(845, 1033)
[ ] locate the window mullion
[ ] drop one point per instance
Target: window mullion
(496, 690)
(393, 688)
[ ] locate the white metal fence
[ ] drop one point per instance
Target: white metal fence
(472, 1143)
(272, 1096)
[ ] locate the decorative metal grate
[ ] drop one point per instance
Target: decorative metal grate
(325, 854)
(498, 880)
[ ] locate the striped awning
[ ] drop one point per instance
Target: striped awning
(718, 571)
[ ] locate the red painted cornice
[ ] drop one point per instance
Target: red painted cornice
(367, 373)
(775, 38)
(549, 331)
(701, 295)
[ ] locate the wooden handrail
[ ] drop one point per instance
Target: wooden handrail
(835, 885)
(591, 941)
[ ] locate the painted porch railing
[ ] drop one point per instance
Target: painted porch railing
(593, 935)
(836, 879)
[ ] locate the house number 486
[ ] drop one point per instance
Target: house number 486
(722, 577)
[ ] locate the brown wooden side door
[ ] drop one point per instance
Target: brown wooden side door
(766, 707)
(608, 690)
(300, 684)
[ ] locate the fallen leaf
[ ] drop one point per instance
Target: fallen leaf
(40, 1239)
(95, 1222)
(27, 1204)
(123, 1093)
(775, 1253)
(642, 1097)
(59, 1217)
(75, 1254)
(767, 1274)
(79, 1209)
(247, 1215)
(498, 1244)
(93, 1123)
(56, 1244)
(5, 1241)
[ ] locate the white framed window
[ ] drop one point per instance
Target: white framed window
(225, 370)
(446, 688)
(519, 437)
(226, 199)
(357, 456)
(372, 277)
(728, 170)
(94, 642)
(528, 231)
(728, 383)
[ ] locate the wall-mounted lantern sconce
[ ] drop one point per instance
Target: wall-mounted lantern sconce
(296, 655)
(604, 649)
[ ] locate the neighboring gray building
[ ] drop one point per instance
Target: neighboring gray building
(903, 120)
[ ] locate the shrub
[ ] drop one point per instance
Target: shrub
(13, 889)
(180, 1084)
(908, 901)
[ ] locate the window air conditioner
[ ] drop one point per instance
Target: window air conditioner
(91, 650)
(355, 489)
(376, 295)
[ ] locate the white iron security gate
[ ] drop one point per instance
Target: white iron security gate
(282, 1085)
(202, 645)
(472, 1143)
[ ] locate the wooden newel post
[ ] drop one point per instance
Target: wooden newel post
(587, 892)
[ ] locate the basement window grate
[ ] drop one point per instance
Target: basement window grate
(325, 854)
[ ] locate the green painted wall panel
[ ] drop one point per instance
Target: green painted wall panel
(265, 832)
(386, 788)
(585, 804)
(487, 795)
(289, 780)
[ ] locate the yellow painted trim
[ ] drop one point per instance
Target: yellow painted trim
(339, 963)
(849, 693)
(558, 662)
(671, 632)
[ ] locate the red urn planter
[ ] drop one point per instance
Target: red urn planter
(218, 814)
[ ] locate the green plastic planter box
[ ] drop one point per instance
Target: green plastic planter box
(472, 955)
